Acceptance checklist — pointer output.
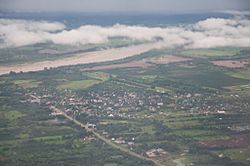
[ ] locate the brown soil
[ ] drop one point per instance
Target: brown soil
(166, 59)
(146, 63)
(239, 141)
(232, 63)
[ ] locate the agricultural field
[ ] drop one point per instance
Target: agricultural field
(27, 83)
(243, 73)
(215, 52)
(78, 85)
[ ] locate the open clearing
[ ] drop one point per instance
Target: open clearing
(166, 59)
(83, 58)
(27, 83)
(11, 115)
(210, 52)
(77, 85)
(94, 78)
(98, 75)
(244, 74)
(232, 63)
(135, 64)
(239, 141)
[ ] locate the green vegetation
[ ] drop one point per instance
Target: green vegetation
(240, 155)
(212, 52)
(202, 135)
(78, 85)
(94, 79)
(27, 83)
(11, 115)
(243, 74)
(98, 75)
(189, 113)
(148, 77)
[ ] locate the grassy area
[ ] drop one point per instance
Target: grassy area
(114, 121)
(148, 129)
(27, 83)
(201, 135)
(238, 155)
(78, 85)
(240, 74)
(160, 90)
(211, 52)
(175, 124)
(11, 115)
(239, 88)
(98, 75)
(148, 78)
(94, 79)
(111, 164)
(204, 77)
(243, 74)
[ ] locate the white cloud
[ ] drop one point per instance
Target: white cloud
(20, 32)
(212, 32)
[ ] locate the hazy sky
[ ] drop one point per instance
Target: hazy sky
(141, 6)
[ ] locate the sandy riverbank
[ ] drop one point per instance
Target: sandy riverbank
(83, 58)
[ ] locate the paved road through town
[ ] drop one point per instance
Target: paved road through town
(107, 141)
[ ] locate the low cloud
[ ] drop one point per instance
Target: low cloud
(212, 32)
(14, 33)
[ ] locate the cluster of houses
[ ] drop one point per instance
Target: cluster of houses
(108, 104)
(156, 152)
(127, 104)
(120, 140)
(114, 104)
(206, 103)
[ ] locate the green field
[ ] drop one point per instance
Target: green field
(243, 74)
(78, 85)
(94, 79)
(27, 83)
(240, 155)
(11, 115)
(98, 75)
(211, 52)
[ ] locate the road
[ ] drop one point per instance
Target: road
(107, 141)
